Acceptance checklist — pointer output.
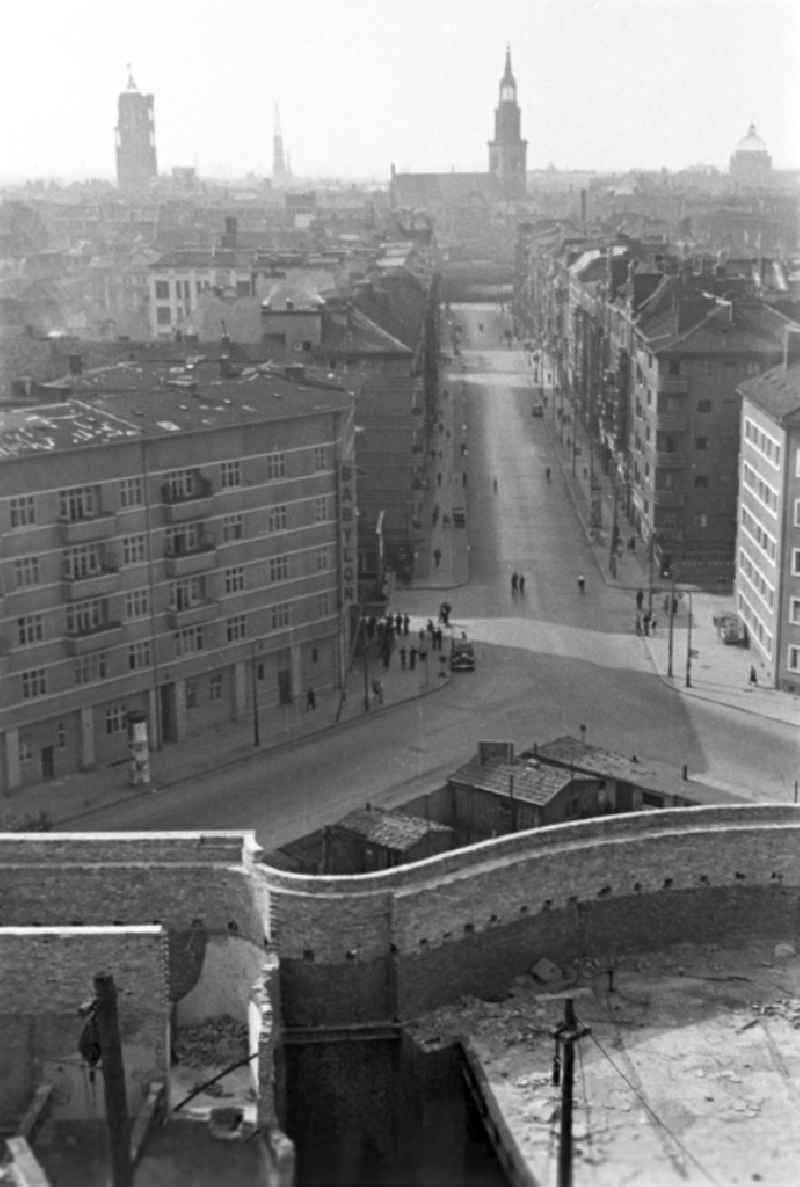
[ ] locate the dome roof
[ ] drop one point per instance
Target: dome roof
(752, 142)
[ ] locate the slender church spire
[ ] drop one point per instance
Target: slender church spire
(279, 171)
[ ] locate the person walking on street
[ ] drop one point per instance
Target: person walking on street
(437, 556)
(406, 624)
(494, 484)
(582, 583)
(377, 688)
(753, 675)
(638, 623)
(514, 582)
(652, 626)
(547, 473)
(522, 583)
(639, 598)
(403, 658)
(646, 622)
(438, 638)
(398, 624)
(311, 700)
(412, 658)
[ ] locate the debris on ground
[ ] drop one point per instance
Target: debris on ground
(216, 1042)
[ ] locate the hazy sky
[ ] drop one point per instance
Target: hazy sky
(606, 84)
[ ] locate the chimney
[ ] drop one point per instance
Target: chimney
(75, 364)
(791, 347)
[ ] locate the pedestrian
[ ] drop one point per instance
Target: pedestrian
(398, 623)
(639, 599)
(438, 638)
(439, 478)
(631, 543)
(652, 626)
(522, 583)
(403, 658)
(547, 473)
(430, 627)
(514, 582)
(437, 556)
(406, 624)
(464, 478)
(638, 624)
(422, 638)
(674, 606)
(377, 688)
(646, 623)
(753, 675)
(311, 700)
(666, 603)
(412, 658)
(371, 624)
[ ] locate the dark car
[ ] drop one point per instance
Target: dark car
(462, 656)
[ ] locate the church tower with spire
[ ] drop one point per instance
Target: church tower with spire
(280, 167)
(508, 151)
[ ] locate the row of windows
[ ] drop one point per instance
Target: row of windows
(755, 624)
(762, 490)
(758, 535)
(763, 442)
(84, 502)
(755, 578)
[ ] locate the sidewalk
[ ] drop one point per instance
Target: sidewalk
(718, 672)
(68, 799)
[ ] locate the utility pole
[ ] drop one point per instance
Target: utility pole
(671, 640)
(254, 690)
(650, 574)
(366, 666)
(113, 1080)
(689, 646)
(566, 1035)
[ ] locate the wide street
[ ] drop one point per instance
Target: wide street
(547, 662)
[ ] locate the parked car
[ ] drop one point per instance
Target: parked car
(731, 629)
(462, 656)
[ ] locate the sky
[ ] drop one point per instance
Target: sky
(603, 84)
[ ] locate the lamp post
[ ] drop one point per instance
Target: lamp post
(689, 645)
(671, 640)
(258, 646)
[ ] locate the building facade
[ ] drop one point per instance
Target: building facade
(768, 519)
(186, 550)
(135, 135)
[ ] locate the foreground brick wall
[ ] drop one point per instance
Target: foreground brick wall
(45, 976)
(396, 942)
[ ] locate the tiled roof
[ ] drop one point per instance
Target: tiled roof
(777, 391)
(352, 332)
(532, 781)
(646, 773)
(390, 829)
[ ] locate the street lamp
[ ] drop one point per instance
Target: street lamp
(257, 646)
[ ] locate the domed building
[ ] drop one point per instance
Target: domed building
(750, 163)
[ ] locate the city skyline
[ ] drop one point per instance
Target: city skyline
(602, 86)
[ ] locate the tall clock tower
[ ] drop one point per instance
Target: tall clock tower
(508, 151)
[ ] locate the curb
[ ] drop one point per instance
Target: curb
(241, 759)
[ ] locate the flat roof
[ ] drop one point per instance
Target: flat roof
(135, 400)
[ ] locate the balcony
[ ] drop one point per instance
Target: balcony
(671, 422)
(105, 580)
(98, 638)
(194, 503)
(673, 385)
(83, 531)
(198, 560)
(191, 615)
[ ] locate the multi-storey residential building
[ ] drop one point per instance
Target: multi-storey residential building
(768, 519)
(177, 547)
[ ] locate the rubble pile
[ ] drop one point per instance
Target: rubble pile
(215, 1043)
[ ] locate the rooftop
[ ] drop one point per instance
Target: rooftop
(777, 392)
(140, 400)
(526, 779)
(390, 829)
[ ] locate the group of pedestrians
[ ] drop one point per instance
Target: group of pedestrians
(517, 584)
(645, 623)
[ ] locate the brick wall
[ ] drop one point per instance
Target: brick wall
(45, 976)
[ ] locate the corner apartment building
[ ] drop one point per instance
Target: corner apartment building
(768, 519)
(183, 546)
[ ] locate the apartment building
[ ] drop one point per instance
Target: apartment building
(768, 519)
(179, 544)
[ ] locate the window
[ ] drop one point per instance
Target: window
(22, 511)
(278, 519)
(215, 687)
(797, 513)
(183, 539)
(235, 628)
(701, 481)
(91, 667)
(133, 550)
(794, 610)
(323, 605)
(181, 484)
(139, 655)
(188, 640)
(61, 736)
(163, 316)
(34, 684)
(796, 562)
(319, 457)
(162, 290)
(276, 465)
(83, 617)
(131, 492)
(25, 749)
(79, 503)
(232, 528)
(797, 463)
(191, 694)
(320, 509)
(701, 443)
(674, 367)
(703, 405)
(793, 659)
(234, 579)
(116, 719)
(26, 571)
(30, 629)
(280, 615)
(278, 568)
(321, 560)
(231, 474)
(188, 592)
(84, 561)
(137, 603)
